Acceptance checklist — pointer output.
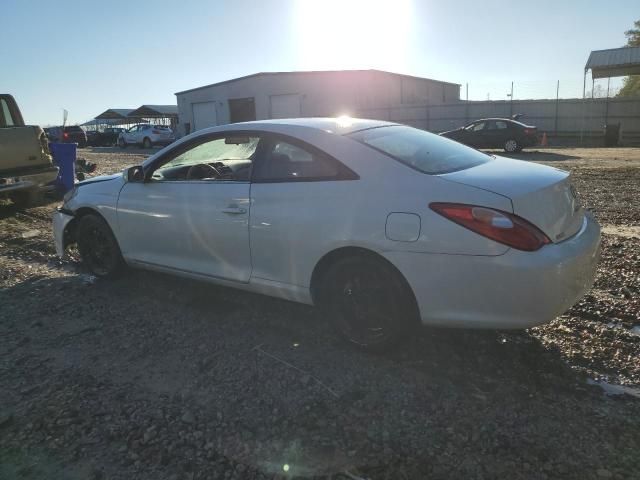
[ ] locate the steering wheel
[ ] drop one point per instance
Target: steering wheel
(202, 170)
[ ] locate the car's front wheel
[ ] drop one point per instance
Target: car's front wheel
(368, 302)
(98, 247)
(512, 146)
(146, 143)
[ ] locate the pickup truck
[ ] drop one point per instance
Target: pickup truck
(26, 165)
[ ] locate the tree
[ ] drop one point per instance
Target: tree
(631, 84)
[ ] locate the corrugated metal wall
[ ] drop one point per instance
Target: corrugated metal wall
(570, 118)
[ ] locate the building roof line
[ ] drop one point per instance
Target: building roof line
(306, 72)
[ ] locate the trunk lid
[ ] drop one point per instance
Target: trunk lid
(542, 195)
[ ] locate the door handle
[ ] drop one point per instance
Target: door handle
(234, 210)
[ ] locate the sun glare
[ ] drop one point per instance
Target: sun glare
(351, 34)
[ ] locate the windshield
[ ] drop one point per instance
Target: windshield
(421, 150)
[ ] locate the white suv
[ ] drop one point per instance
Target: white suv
(146, 135)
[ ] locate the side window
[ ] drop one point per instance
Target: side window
(229, 158)
(478, 127)
(7, 119)
(285, 162)
(501, 125)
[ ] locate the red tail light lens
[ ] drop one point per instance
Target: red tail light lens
(65, 135)
(503, 227)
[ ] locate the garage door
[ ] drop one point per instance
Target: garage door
(204, 115)
(285, 106)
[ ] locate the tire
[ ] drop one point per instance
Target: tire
(146, 143)
(512, 146)
(369, 303)
(98, 247)
(27, 198)
(122, 143)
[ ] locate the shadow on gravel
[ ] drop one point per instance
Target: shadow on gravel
(174, 377)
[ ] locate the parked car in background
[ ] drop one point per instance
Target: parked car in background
(105, 138)
(146, 135)
(383, 225)
(26, 166)
(502, 133)
(68, 134)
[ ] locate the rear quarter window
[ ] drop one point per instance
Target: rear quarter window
(420, 150)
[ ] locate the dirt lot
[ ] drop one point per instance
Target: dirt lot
(153, 377)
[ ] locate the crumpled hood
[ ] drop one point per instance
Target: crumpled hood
(101, 178)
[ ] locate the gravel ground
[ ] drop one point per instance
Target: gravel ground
(153, 377)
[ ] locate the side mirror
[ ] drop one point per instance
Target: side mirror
(134, 174)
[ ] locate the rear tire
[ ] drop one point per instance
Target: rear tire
(122, 143)
(146, 143)
(98, 247)
(369, 303)
(512, 146)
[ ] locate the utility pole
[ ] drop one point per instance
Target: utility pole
(511, 101)
(555, 129)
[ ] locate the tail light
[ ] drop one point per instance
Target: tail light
(65, 135)
(529, 131)
(503, 227)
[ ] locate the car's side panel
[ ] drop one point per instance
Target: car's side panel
(193, 226)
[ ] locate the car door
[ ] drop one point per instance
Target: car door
(494, 133)
(298, 199)
(476, 134)
(130, 135)
(192, 223)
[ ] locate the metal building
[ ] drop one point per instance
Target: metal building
(306, 94)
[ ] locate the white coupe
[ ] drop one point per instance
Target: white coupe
(384, 226)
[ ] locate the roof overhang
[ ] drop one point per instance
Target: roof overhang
(155, 111)
(615, 62)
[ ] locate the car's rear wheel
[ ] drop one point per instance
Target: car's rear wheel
(122, 143)
(98, 247)
(146, 143)
(368, 302)
(512, 146)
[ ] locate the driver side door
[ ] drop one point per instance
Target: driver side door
(197, 225)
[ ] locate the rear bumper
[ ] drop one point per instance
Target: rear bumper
(34, 179)
(513, 290)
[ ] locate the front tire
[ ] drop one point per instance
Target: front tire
(512, 146)
(98, 247)
(146, 143)
(368, 302)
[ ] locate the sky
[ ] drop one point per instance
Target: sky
(86, 56)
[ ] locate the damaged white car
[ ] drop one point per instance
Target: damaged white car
(383, 225)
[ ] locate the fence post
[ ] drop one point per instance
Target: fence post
(466, 107)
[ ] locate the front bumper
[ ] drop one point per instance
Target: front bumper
(514, 290)
(61, 220)
(37, 179)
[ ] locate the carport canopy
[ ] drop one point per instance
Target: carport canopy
(614, 62)
(155, 111)
(117, 116)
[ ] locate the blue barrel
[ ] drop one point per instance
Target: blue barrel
(64, 156)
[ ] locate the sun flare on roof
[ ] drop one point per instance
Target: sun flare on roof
(352, 34)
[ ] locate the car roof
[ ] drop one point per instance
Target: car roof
(338, 125)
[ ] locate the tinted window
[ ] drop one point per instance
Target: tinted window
(72, 129)
(7, 119)
(501, 125)
(421, 150)
(283, 161)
